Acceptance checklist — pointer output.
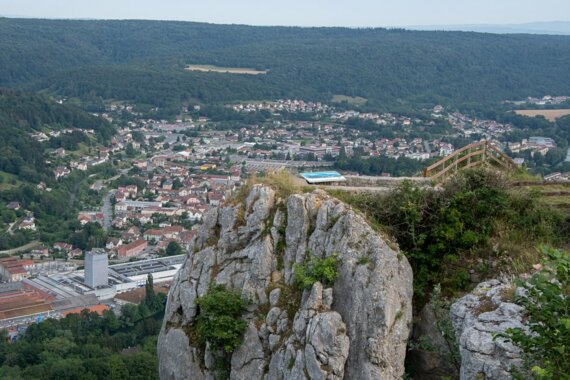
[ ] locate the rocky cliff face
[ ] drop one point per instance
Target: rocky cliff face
(356, 329)
(476, 318)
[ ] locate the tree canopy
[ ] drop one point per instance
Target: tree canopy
(144, 61)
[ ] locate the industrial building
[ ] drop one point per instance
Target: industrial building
(22, 299)
(55, 295)
(136, 205)
(13, 269)
(96, 268)
(162, 269)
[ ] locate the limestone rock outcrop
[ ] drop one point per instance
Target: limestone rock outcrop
(476, 318)
(355, 329)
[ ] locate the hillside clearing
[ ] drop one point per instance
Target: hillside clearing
(8, 181)
(354, 100)
(550, 115)
(226, 70)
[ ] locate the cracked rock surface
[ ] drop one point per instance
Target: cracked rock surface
(355, 329)
(476, 318)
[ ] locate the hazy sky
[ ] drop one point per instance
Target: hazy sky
(300, 12)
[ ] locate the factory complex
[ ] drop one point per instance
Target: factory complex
(94, 288)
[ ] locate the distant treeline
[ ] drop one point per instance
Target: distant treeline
(144, 61)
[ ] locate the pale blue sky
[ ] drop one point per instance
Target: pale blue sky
(301, 12)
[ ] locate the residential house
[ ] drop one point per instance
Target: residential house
(40, 251)
(61, 172)
(152, 234)
(75, 253)
(29, 224)
(62, 247)
(13, 206)
(113, 243)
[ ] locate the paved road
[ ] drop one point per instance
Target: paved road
(260, 163)
(107, 210)
(355, 189)
(16, 223)
(22, 248)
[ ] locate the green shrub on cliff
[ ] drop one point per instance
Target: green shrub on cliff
(316, 269)
(473, 220)
(546, 302)
(219, 321)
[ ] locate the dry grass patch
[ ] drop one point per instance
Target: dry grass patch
(485, 305)
(550, 115)
(282, 182)
(508, 294)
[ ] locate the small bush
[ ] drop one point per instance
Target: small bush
(547, 310)
(444, 233)
(316, 269)
(219, 321)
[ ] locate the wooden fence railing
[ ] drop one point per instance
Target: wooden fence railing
(467, 157)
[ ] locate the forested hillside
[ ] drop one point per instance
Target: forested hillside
(144, 61)
(22, 114)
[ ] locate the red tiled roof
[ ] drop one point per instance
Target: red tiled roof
(170, 229)
(99, 309)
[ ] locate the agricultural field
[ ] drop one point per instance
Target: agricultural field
(550, 115)
(226, 70)
(354, 100)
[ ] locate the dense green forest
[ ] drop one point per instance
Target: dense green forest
(22, 114)
(398, 167)
(87, 346)
(144, 61)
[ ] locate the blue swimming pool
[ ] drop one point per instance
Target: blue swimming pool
(322, 177)
(314, 175)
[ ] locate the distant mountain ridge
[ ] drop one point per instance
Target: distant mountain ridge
(144, 61)
(552, 28)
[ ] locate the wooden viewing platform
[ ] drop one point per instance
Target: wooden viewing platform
(467, 157)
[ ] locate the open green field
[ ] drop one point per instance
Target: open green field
(354, 100)
(550, 115)
(226, 70)
(8, 181)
